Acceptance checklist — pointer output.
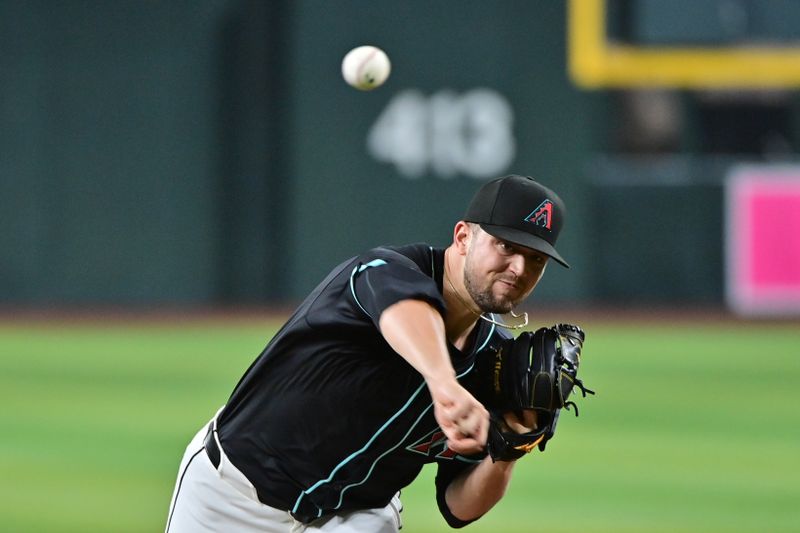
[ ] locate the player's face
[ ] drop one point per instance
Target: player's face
(499, 275)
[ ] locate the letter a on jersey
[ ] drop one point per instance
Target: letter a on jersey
(542, 215)
(430, 444)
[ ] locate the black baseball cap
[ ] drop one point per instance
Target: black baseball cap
(520, 210)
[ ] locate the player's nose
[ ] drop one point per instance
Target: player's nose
(517, 264)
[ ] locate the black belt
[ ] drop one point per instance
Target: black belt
(210, 444)
(212, 449)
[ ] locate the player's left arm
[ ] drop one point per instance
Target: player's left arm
(472, 495)
(473, 492)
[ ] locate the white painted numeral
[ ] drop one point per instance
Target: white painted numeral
(446, 134)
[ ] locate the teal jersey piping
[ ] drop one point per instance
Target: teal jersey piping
(375, 436)
(357, 270)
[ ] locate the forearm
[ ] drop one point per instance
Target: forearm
(476, 491)
(415, 330)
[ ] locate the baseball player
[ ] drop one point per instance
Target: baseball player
(370, 379)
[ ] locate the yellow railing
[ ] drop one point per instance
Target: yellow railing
(594, 62)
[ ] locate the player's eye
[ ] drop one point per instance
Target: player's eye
(539, 260)
(505, 247)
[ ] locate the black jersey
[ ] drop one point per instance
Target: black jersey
(329, 418)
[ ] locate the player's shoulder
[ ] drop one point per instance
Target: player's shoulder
(418, 256)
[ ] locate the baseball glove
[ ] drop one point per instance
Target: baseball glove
(537, 370)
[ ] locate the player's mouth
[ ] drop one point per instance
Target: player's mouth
(507, 290)
(511, 284)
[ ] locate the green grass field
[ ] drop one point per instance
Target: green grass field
(694, 428)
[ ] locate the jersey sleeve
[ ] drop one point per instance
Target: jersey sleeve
(385, 277)
(445, 474)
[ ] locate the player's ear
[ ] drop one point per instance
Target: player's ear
(462, 235)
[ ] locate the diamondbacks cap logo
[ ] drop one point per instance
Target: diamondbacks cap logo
(542, 215)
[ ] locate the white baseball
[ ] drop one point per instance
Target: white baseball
(366, 67)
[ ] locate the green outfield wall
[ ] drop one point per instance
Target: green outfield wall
(200, 153)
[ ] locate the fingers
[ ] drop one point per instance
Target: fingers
(462, 443)
(463, 419)
(474, 424)
(469, 418)
(524, 424)
(465, 446)
(458, 407)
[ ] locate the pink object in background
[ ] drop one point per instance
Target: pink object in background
(763, 240)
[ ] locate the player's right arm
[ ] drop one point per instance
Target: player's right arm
(406, 307)
(415, 330)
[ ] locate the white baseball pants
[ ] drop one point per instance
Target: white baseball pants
(207, 499)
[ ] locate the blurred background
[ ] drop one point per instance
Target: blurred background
(198, 153)
(175, 176)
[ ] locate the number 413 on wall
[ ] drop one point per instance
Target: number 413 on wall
(446, 134)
